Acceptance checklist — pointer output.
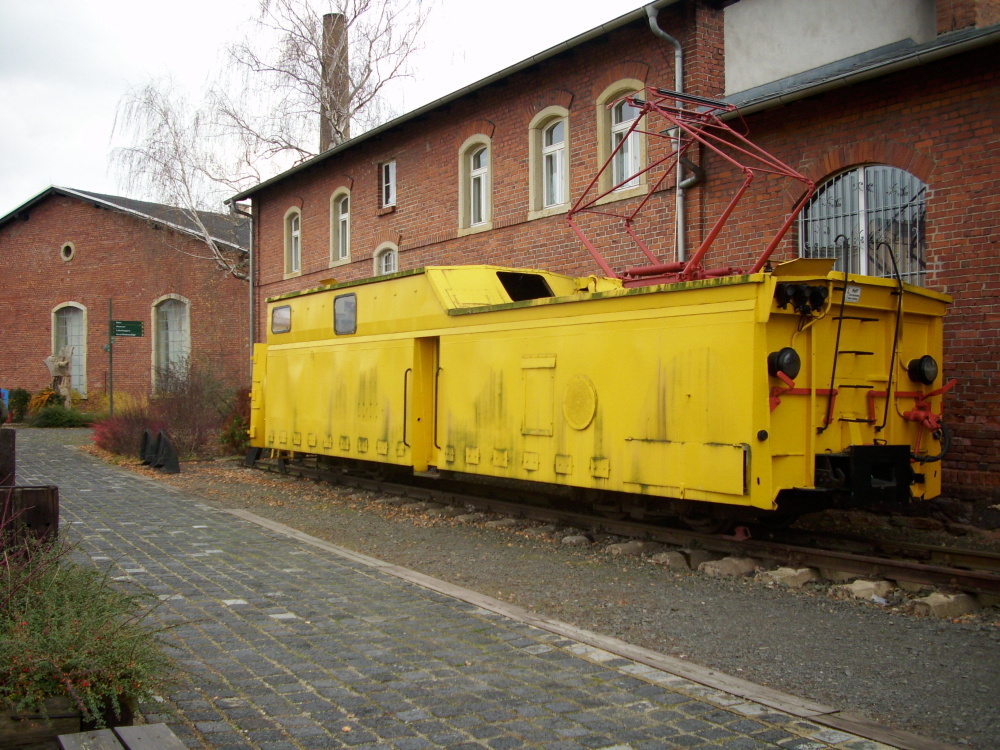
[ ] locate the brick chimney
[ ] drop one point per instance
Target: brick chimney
(334, 122)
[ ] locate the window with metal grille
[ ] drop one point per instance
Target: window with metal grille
(70, 330)
(866, 218)
(172, 343)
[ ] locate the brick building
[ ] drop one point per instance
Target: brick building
(65, 253)
(890, 107)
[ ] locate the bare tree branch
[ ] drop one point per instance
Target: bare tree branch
(263, 115)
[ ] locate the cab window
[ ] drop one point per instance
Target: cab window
(345, 314)
(281, 319)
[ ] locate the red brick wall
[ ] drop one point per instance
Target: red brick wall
(118, 257)
(938, 121)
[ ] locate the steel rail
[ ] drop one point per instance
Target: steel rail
(967, 570)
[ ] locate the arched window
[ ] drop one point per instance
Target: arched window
(554, 164)
(340, 227)
(475, 185)
(171, 341)
(626, 162)
(614, 118)
(69, 328)
(386, 259)
(548, 162)
(293, 242)
(865, 218)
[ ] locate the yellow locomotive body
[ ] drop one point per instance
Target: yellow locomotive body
(753, 393)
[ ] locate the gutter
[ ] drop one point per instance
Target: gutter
(875, 70)
(606, 28)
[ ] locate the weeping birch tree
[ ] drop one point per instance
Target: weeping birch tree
(304, 76)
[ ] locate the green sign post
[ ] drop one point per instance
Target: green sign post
(118, 329)
(127, 328)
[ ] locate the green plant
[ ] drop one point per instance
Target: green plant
(57, 415)
(65, 631)
(18, 400)
(234, 429)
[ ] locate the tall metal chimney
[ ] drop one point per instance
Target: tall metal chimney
(334, 119)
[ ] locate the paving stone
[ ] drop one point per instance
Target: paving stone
(285, 644)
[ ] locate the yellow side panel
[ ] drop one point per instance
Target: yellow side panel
(351, 396)
(661, 405)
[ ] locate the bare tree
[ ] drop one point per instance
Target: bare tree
(173, 158)
(291, 72)
(306, 73)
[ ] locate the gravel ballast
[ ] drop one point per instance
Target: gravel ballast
(933, 677)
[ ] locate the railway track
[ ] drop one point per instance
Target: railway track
(967, 570)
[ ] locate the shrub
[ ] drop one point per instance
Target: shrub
(66, 632)
(122, 433)
(234, 430)
(18, 400)
(191, 402)
(58, 415)
(45, 397)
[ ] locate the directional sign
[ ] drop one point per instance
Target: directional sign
(129, 328)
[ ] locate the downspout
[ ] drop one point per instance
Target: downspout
(234, 207)
(679, 210)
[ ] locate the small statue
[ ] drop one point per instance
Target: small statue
(59, 368)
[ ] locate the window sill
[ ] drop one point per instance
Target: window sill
(624, 194)
(386, 210)
(342, 262)
(550, 211)
(464, 231)
(292, 275)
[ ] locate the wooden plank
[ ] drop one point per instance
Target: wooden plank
(149, 737)
(7, 457)
(98, 739)
(34, 509)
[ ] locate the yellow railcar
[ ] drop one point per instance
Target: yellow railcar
(736, 397)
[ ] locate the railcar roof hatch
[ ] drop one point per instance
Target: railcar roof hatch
(674, 124)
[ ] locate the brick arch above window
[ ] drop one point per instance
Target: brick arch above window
(388, 237)
(553, 98)
(858, 154)
(341, 182)
(630, 69)
(477, 127)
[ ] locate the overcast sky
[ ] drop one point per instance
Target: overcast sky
(65, 65)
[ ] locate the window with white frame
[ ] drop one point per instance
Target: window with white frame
(69, 328)
(386, 260)
(548, 162)
(626, 159)
(479, 175)
(387, 183)
(340, 227)
(171, 341)
(872, 220)
(475, 185)
(554, 164)
(293, 242)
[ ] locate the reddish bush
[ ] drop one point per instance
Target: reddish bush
(122, 433)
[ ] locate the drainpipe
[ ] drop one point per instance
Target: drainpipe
(679, 211)
(234, 207)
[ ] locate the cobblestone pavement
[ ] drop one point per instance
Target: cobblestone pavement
(285, 645)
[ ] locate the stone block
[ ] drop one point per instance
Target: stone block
(730, 566)
(576, 540)
(671, 558)
(794, 578)
(944, 605)
(471, 517)
(633, 548)
(862, 590)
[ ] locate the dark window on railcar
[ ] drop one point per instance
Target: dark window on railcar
(524, 286)
(281, 319)
(345, 314)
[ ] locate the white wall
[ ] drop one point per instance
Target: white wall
(767, 40)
